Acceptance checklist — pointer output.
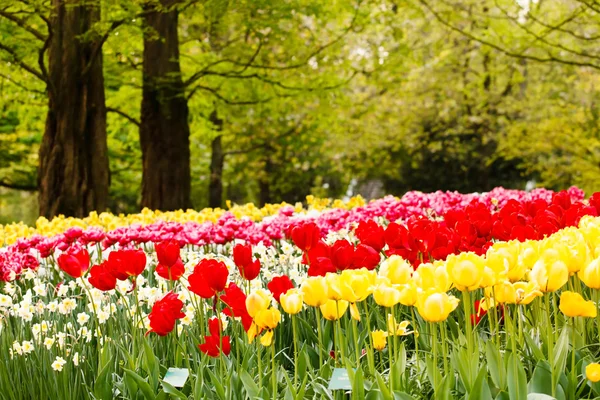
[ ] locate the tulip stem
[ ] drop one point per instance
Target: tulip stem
(469, 333)
(416, 336)
(273, 371)
(319, 336)
(550, 343)
(434, 345)
(356, 342)
(370, 358)
(259, 362)
(596, 293)
(295, 350)
(444, 350)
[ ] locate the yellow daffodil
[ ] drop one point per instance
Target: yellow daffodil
(268, 319)
(397, 329)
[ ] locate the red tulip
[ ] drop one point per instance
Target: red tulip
(371, 234)
(365, 256)
(101, 277)
(242, 254)
(342, 254)
(172, 273)
(75, 261)
(242, 257)
(280, 285)
(167, 252)
(235, 300)
(215, 342)
(209, 278)
(306, 235)
(126, 263)
(165, 313)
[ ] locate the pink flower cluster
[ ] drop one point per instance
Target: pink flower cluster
(228, 228)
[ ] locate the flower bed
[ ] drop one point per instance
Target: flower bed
(484, 296)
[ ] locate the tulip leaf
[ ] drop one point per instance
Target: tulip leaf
(399, 366)
(444, 389)
(218, 385)
(251, 388)
(102, 386)
(539, 396)
(533, 347)
(561, 351)
(151, 365)
(358, 385)
(495, 365)
(141, 383)
(541, 379)
(170, 389)
(517, 380)
(481, 389)
(302, 389)
(402, 396)
(382, 386)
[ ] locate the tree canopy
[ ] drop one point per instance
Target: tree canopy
(301, 97)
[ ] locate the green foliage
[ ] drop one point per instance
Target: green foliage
(464, 95)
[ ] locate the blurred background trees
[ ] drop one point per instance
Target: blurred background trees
(266, 101)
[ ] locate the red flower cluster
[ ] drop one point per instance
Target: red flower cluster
(215, 342)
(165, 312)
(242, 257)
(342, 255)
(121, 265)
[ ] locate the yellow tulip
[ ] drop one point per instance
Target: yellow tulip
(356, 285)
(397, 270)
(432, 277)
(354, 313)
(592, 372)
(502, 258)
(397, 329)
(571, 247)
(516, 293)
(574, 305)
(267, 339)
(292, 301)
(408, 294)
(334, 288)
(435, 307)
(258, 300)
(590, 274)
(268, 319)
(314, 290)
(549, 272)
(466, 270)
(386, 295)
(334, 310)
(253, 331)
(379, 339)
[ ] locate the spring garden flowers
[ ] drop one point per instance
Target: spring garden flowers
(432, 295)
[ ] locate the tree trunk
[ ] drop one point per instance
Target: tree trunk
(217, 159)
(73, 176)
(164, 129)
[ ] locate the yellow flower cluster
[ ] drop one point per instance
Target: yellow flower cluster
(11, 232)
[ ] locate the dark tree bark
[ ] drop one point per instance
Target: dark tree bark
(164, 129)
(73, 176)
(217, 159)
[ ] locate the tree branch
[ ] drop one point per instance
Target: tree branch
(124, 115)
(21, 63)
(18, 186)
(23, 24)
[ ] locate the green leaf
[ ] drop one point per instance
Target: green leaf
(382, 386)
(481, 389)
(517, 380)
(251, 387)
(495, 365)
(533, 347)
(539, 396)
(102, 385)
(217, 384)
(142, 384)
(541, 380)
(151, 365)
(358, 385)
(402, 396)
(444, 390)
(561, 351)
(170, 389)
